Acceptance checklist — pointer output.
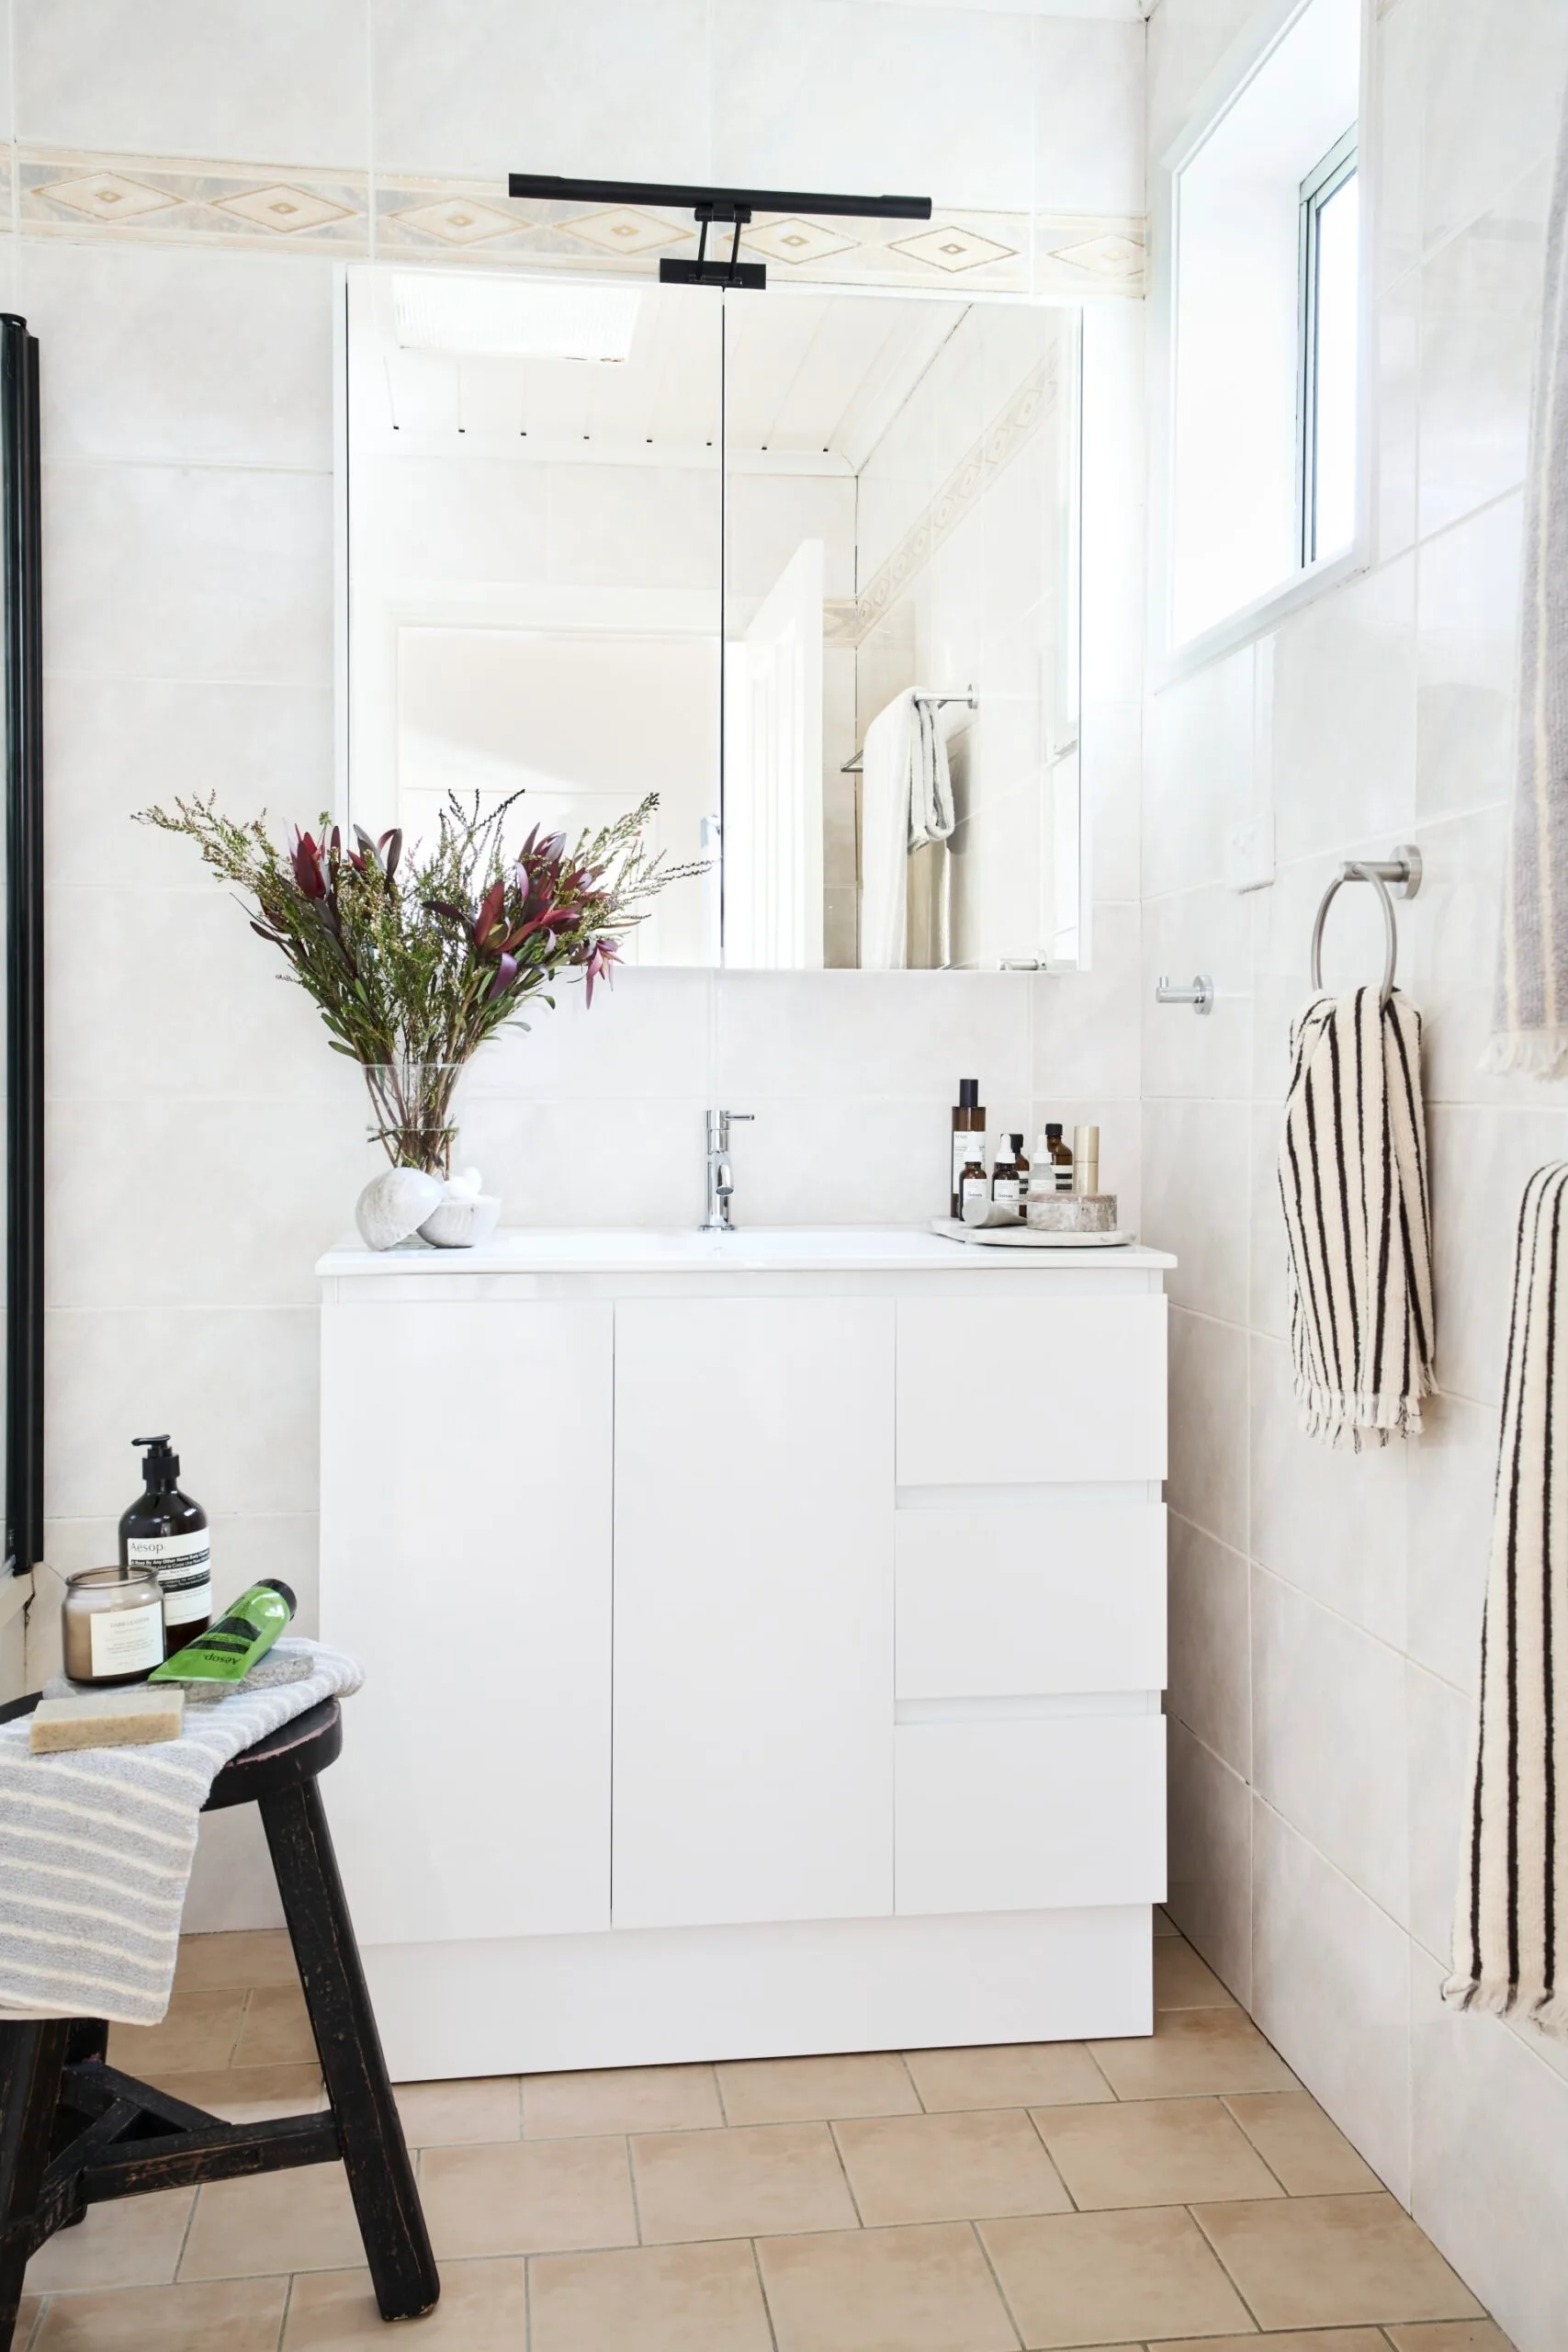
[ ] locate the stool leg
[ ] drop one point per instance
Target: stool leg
(31, 2055)
(375, 2154)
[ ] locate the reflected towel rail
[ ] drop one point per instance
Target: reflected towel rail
(970, 701)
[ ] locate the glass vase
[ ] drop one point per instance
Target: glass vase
(410, 1113)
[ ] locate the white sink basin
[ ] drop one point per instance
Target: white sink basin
(789, 1248)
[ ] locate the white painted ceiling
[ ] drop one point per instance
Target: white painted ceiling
(814, 375)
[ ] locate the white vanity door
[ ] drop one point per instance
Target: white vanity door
(753, 1707)
(466, 1484)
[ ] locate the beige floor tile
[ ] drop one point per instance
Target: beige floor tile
(1195, 2054)
(657, 2298)
(1183, 1981)
(447, 2115)
(244, 2316)
(739, 2184)
(27, 2320)
(1329, 2261)
(483, 2308)
(808, 2090)
(1016, 2073)
(135, 2243)
(276, 2031)
(1334, 2339)
(620, 2098)
(243, 1957)
(527, 2197)
(1300, 2145)
(885, 2291)
(948, 2167)
(1153, 2152)
(253, 2094)
(1086, 2278)
(1449, 2335)
(198, 2032)
(287, 2221)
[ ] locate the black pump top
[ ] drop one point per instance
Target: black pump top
(160, 1468)
(968, 1093)
(275, 1584)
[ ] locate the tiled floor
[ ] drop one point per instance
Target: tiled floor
(1183, 2190)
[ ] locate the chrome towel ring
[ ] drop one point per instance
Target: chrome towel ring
(1395, 876)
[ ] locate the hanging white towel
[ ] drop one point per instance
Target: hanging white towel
(906, 805)
(1530, 1026)
(1514, 1885)
(1353, 1182)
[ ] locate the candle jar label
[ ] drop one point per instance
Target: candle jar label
(126, 1641)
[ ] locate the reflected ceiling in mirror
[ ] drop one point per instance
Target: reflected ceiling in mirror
(803, 564)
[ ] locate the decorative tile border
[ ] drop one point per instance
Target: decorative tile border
(849, 621)
(173, 199)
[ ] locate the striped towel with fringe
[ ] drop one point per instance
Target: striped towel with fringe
(96, 1846)
(1353, 1184)
(1514, 1883)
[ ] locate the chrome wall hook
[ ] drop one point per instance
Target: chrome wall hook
(1200, 996)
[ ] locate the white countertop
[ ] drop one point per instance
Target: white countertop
(590, 1249)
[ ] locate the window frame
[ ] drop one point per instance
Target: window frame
(1322, 183)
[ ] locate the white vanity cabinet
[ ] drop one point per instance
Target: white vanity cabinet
(763, 1641)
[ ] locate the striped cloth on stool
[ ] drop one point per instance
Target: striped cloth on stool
(1353, 1183)
(1514, 1885)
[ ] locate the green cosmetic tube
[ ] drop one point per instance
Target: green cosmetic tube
(244, 1632)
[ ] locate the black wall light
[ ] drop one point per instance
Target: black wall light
(711, 205)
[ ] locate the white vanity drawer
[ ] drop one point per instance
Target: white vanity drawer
(1000, 1602)
(1031, 1815)
(1008, 1391)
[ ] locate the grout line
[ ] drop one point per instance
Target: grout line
(843, 2170)
(631, 2180)
(763, 2290)
(1192, 2212)
(283, 2316)
(1033, 2114)
(1002, 2290)
(1101, 2072)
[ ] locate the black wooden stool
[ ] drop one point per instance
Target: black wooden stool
(75, 2131)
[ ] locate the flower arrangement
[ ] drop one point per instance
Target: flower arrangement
(413, 960)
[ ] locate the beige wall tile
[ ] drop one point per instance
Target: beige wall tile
(283, 2220)
(738, 2184)
(1021, 2073)
(276, 2029)
(1079, 2277)
(1329, 2261)
(528, 2197)
(1193, 2053)
(948, 2167)
(265, 1956)
(441, 2115)
(199, 2031)
(1183, 1981)
(1299, 2144)
(920, 2289)
(1152, 2152)
(800, 2090)
(1210, 1893)
(620, 2098)
(483, 2308)
(132, 2243)
(244, 2315)
(662, 2299)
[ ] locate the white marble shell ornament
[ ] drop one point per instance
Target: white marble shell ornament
(395, 1204)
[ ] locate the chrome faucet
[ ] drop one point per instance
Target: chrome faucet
(721, 1177)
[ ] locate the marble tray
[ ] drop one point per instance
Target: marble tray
(1024, 1237)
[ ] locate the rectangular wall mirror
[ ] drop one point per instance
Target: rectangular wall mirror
(804, 564)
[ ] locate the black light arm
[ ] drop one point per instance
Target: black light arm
(744, 200)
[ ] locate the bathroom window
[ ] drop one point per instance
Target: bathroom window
(1257, 238)
(1325, 404)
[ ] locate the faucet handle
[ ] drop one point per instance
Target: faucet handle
(745, 1118)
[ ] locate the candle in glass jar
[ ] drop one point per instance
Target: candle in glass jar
(112, 1622)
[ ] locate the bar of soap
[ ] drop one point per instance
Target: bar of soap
(131, 1718)
(1072, 1211)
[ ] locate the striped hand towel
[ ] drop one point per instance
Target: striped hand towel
(96, 1845)
(1530, 1027)
(1353, 1182)
(1514, 1885)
